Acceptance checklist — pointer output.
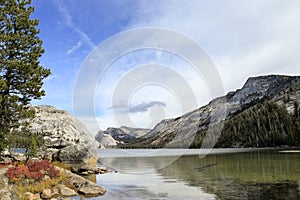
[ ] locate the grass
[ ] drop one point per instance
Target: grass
(62, 165)
(31, 182)
(39, 186)
(1, 184)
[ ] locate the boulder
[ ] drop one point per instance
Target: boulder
(83, 170)
(82, 185)
(46, 194)
(66, 192)
(55, 193)
(88, 189)
(66, 139)
(5, 194)
(31, 196)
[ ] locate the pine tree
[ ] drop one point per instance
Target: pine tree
(21, 75)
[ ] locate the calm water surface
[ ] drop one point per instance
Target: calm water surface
(223, 174)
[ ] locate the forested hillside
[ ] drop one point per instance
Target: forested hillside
(264, 125)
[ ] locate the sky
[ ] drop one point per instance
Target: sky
(105, 74)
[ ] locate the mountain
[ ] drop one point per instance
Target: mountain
(266, 108)
(106, 140)
(65, 138)
(112, 136)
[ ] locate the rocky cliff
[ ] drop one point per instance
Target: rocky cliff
(65, 138)
(180, 132)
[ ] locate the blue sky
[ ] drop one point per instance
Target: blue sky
(242, 38)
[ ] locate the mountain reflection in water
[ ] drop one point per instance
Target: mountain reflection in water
(264, 174)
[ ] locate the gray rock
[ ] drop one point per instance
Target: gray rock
(46, 194)
(31, 196)
(88, 189)
(66, 138)
(5, 194)
(66, 192)
(82, 185)
(55, 193)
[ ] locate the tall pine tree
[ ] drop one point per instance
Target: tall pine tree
(21, 75)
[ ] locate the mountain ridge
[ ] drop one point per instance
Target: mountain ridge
(180, 132)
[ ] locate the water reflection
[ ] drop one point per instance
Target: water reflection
(251, 175)
(256, 175)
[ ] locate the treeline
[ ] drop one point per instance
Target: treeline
(265, 125)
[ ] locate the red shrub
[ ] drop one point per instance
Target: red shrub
(44, 167)
(39, 165)
(33, 170)
(17, 173)
(34, 175)
(53, 172)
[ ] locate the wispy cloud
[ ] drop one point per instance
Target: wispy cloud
(138, 108)
(69, 22)
(74, 48)
(145, 106)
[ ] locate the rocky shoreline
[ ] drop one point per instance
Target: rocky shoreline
(75, 185)
(67, 141)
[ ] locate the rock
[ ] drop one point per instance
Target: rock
(84, 173)
(19, 157)
(82, 185)
(90, 189)
(49, 154)
(85, 170)
(5, 153)
(55, 192)
(30, 196)
(102, 171)
(66, 138)
(5, 194)
(46, 177)
(5, 160)
(46, 194)
(66, 192)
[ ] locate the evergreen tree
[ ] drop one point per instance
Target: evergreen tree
(21, 75)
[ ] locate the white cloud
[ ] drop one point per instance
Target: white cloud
(244, 38)
(74, 48)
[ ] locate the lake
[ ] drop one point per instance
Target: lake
(191, 174)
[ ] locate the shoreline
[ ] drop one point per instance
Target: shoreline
(106, 153)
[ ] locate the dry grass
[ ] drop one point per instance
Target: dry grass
(62, 165)
(1, 183)
(39, 186)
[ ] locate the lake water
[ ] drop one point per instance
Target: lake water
(223, 174)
